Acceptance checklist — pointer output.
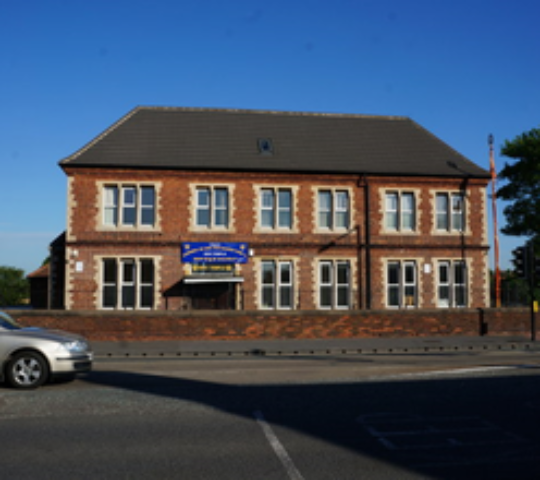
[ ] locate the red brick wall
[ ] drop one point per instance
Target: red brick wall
(175, 210)
(138, 326)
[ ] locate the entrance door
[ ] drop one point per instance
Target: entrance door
(212, 296)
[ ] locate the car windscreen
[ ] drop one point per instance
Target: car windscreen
(7, 323)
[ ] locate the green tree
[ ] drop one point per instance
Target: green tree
(522, 187)
(14, 287)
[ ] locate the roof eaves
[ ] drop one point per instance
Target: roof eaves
(41, 272)
(102, 135)
(299, 171)
(462, 173)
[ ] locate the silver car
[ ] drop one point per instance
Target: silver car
(31, 356)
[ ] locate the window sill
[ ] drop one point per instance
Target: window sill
(129, 229)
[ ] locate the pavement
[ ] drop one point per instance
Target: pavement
(346, 346)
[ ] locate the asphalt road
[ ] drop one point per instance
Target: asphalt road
(346, 417)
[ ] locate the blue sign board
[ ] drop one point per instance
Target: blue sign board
(214, 252)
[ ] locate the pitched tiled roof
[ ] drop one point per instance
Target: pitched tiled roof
(188, 138)
(41, 272)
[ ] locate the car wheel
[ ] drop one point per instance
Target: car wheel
(27, 370)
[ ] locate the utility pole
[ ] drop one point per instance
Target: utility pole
(495, 229)
(531, 264)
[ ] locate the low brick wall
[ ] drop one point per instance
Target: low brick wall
(218, 325)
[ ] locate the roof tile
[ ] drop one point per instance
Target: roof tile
(190, 138)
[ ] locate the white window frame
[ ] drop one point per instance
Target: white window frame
(108, 284)
(335, 211)
(404, 288)
(391, 209)
(213, 207)
(455, 289)
(393, 286)
(326, 281)
(281, 208)
(410, 286)
(267, 206)
(457, 211)
(452, 216)
(147, 208)
(396, 210)
(128, 283)
(285, 288)
(220, 208)
(330, 286)
(343, 286)
(324, 211)
(147, 285)
(270, 202)
(202, 206)
(127, 286)
(278, 290)
(407, 211)
(115, 205)
(129, 206)
(110, 206)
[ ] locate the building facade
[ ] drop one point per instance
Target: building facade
(182, 209)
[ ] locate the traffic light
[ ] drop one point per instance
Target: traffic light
(520, 261)
(536, 269)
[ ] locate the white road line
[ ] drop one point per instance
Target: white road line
(278, 448)
(454, 371)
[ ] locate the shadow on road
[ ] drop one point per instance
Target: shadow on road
(445, 428)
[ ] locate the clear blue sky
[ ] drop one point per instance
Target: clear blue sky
(69, 69)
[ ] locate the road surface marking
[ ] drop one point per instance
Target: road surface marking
(443, 441)
(454, 371)
(278, 448)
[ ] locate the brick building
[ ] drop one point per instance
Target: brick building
(180, 209)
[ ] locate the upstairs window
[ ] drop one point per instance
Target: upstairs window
(450, 212)
(400, 211)
(276, 208)
(129, 206)
(333, 209)
(212, 207)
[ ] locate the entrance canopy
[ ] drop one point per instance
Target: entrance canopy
(213, 279)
